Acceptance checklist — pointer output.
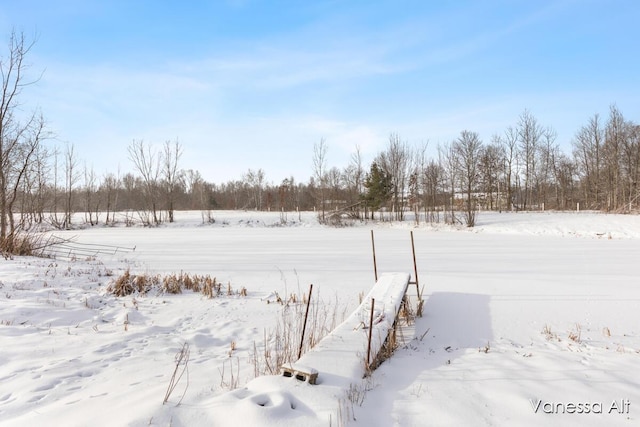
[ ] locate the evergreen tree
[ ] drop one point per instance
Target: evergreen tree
(379, 186)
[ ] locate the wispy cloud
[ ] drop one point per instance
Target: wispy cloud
(282, 67)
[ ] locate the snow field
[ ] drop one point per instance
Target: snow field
(524, 308)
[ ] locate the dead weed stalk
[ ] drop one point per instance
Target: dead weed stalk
(181, 360)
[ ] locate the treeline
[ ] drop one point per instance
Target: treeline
(521, 168)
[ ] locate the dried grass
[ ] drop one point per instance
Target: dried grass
(129, 284)
(141, 284)
(23, 244)
(549, 335)
(576, 336)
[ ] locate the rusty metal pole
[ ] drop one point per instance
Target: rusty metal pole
(304, 327)
(415, 266)
(373, 304)
(375, 267)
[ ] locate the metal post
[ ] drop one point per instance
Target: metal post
(415, 266)
(304, 327)
(373, 304)
(375, 267)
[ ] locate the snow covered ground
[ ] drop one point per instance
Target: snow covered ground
(529, 319)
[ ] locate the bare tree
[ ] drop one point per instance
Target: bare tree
(109, 188)
(171, 173)
(414, 195)
(433, 181)
(320, 173)
(335, 185)
(564, 172)
(19, 140)
(71, 178)
(21, 162)
(416, 180)
(509, 144)
(91, 199)
(468, 148)
(529, 134)
(397, 162)
(254, 182)
(284, 196)
(449, 161)
(195, 189)
(617, 132)
(354, 179)
(489, 168)
(34, 189)
(631, 165)
(588, 154)
(147, 163)
(131, 195)
(546, 155)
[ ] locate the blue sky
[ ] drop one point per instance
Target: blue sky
(254, 84)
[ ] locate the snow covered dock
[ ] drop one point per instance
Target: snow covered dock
(343, 353)
(337, 362)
